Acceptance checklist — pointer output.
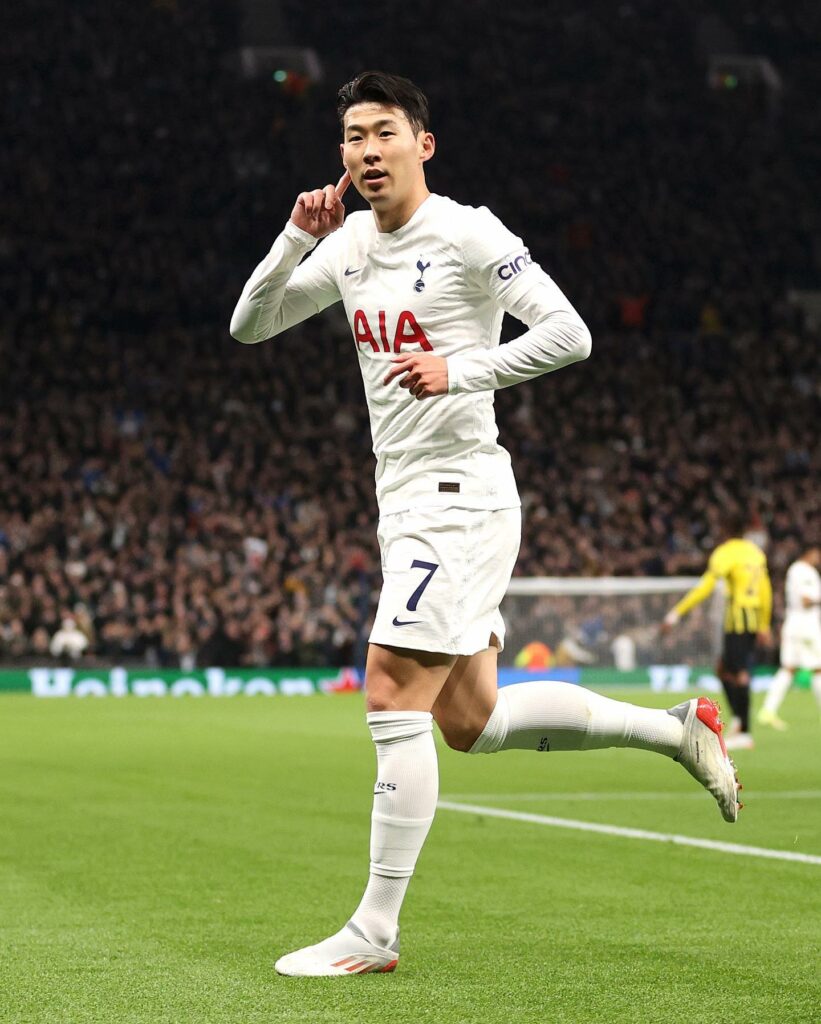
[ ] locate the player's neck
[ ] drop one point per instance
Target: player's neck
(398, 216)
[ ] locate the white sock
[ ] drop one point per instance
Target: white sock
(562, 716)
(816, 688)
(781, 682)
(404, 803)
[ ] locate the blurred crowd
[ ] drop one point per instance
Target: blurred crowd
(178, 499)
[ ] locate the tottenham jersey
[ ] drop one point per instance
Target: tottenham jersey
(441, 283)
(803, 580)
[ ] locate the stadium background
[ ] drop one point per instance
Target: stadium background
(189, 501)
(193, 502)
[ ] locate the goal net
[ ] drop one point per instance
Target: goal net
(607, 622)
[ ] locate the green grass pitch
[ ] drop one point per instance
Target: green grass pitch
(157, 855)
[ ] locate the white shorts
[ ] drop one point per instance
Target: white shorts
(800, 649)
(445, 572)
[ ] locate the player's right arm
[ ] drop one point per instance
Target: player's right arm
(699, 593)
(282, 291)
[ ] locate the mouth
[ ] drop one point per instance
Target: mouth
(374, 175)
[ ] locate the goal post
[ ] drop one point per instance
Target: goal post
(607, 622)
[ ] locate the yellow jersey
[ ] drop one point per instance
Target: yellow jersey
(743, 567)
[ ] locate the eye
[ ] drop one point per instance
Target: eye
(385, 132)
(354, 138)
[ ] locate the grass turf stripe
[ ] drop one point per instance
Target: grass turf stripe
(630, 833)
(606, 795)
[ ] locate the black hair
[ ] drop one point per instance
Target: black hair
(392, 90)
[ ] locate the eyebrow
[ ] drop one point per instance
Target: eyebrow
(376, 124)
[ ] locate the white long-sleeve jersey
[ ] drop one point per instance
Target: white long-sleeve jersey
(441, 283)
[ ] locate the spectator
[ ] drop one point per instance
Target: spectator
(69, 643)
(197, 498)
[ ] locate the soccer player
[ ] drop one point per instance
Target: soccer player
(425, 283)
(743, 567)
(800, 635)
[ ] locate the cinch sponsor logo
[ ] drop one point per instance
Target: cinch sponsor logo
(515, 266)
(211, 682)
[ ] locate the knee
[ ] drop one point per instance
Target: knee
(460, 734)
(380, 692)
(459, 738)
(380, 699)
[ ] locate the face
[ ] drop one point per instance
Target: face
(813, 556)
(383, 153)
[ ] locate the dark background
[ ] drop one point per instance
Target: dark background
(191, 500)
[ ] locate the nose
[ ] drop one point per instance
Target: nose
(372, 153)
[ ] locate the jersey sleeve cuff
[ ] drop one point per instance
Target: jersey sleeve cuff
(295, 234)
(454, 374)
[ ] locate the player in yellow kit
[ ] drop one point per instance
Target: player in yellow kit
(743, 567)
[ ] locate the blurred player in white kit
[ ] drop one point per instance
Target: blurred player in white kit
(425, 283)
(800, 635)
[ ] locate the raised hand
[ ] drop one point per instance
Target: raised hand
(320, 212)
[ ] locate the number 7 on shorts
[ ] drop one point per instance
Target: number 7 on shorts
(415, 597)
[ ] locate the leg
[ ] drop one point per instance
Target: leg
(402, 687)
(475, 716)
(742, 684)
(727, 680)
(737, 660)
(781, 682)
(467, 699)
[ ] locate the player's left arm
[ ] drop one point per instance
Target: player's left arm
(498, 265)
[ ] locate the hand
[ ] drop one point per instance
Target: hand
(670, 620)
(764, 638)
(426, 375)
(320, 212)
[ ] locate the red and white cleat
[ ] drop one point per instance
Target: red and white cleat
(704, 754)
(347, 952)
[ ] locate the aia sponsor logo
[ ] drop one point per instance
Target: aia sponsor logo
(515, 266)
(406, 331)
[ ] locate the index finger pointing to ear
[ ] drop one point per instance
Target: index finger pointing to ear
(342, 184)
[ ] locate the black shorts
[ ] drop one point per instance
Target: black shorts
(738, 652)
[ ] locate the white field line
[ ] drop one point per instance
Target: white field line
(630, 833)
(606, 796)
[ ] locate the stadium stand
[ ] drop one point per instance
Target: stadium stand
(187, 500)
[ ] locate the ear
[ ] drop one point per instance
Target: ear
(342, 154)
(427, 146)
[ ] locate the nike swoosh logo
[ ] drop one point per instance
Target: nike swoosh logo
(407, 622)
(348, 271)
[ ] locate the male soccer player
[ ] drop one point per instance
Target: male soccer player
(800, 635)
(743, 567)
(425, 283)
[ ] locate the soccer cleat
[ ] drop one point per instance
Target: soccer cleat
(741, 741)
(347, 952)
(704, 754)
(770, 718)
